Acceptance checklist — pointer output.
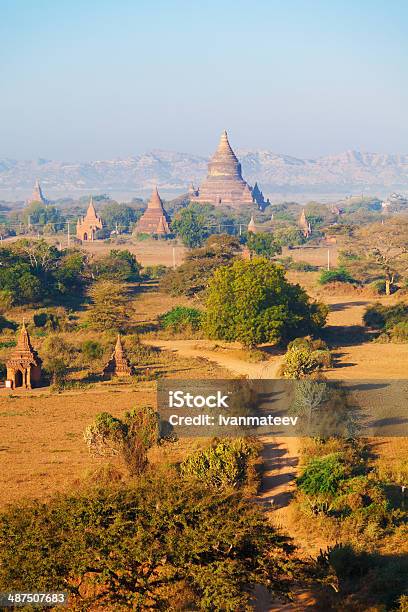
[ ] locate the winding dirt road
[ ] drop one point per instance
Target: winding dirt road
(280, 455)
(280, 460)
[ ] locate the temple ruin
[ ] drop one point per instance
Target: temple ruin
(224, 183)
(155, 219)
(251, 226)
(88, 226)
(24, 364)
(37, 194)
(118, 364)
(304, 224)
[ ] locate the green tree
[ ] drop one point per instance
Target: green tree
(57, 357)
(181, 318)
(71, 272)
(191, 278)
(379, 251)
(38, 213)
(119, 265)
(144, 547)
(263, 245)
(114, 215)
(252, 302)
(109, 308)
(190, 225)
(288, 236)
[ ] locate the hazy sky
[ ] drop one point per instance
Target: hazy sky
(98, 79)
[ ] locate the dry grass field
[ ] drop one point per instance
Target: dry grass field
(41, 445)
(42, 450)
(148, 252)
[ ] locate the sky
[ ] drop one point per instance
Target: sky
(99, 79)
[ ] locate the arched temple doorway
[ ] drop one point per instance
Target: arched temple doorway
(18, 379)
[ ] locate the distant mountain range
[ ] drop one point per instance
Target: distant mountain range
(173, 172)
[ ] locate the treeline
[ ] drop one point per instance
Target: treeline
(32, 271)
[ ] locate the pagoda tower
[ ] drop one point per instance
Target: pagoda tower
(304, 224)
(118, 364)
(155, 219)
(37, 194)
(87, 226)
(224, 183)
(251, 226)
(24, 364)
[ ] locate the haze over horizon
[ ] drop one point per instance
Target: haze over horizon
(101, 80)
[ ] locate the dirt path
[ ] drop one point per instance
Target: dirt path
(202, 348)
(280, 455)
(280, 465)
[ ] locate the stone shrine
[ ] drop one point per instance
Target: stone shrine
(24, 364)
(155, 219)
(118, 364)
(88, 226)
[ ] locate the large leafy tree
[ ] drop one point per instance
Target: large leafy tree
(263, 244)
(38, 213)
(109, 308)
(190, 225)
(252, 302)
(118, 215)
(191, 278)
(32, 270)
(379, 251)
(119, 265)
(160, 544)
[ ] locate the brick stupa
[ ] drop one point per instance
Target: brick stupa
(304, 224)
(224, 183)
(118, 364)
(37, 195)
(88, 226)
(24, 364)
(155, 219)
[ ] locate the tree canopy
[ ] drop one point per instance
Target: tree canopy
(252, 302)
(109, 307)
(161, 543)
(32, 271)
(263, 244)
(190, 225)
(191, 278)
(379, 251)
(119, 265)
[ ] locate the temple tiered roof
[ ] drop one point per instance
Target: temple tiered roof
(155, 219)
(224, 183)
(24, 363)
(118, 364)
(87, 226)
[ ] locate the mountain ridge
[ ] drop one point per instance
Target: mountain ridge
(175, 171)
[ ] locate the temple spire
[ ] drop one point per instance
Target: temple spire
(155, 219)
(118, 365)
(23, 342)
(91, 208)
(252, 226)
(224, 183)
